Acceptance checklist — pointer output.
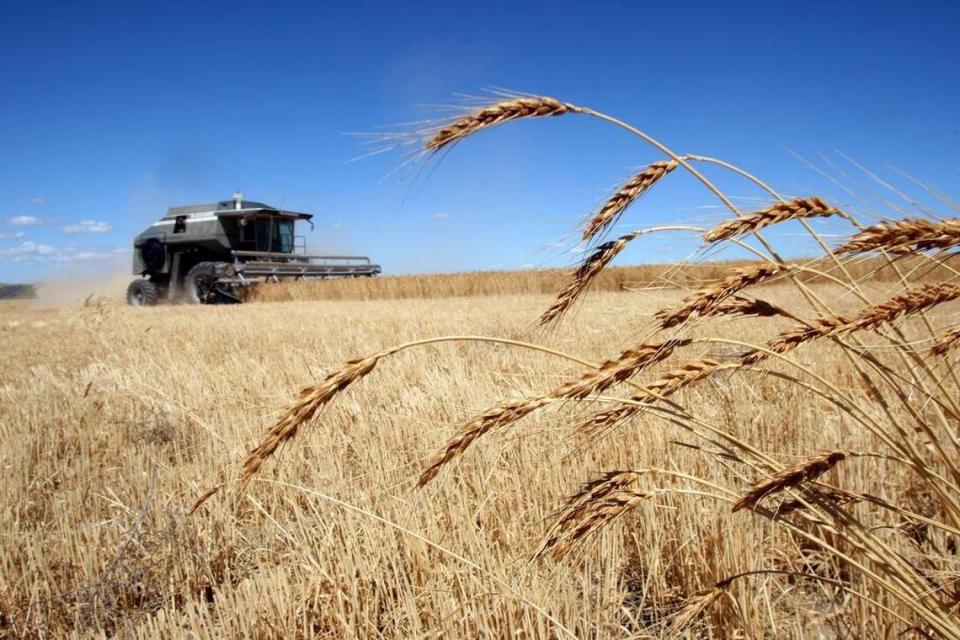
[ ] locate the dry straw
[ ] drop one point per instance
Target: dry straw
(778, 212)
(514, 109)
(905, 236)
(626, 195)
(805, 471)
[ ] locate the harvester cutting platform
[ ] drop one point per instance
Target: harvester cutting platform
(206, 254)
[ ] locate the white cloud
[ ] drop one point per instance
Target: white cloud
(37, 200)
(6, 235)
(88, 226)
(338, 225)
(22, 221)
(83, 256)
(28, 251)
(441, 216)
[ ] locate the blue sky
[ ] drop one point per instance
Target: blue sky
(111, 112)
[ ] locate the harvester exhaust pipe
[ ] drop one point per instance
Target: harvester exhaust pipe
(237, 200)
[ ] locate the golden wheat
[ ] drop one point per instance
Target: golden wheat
(774, 214)
(905, 236)
(635, 187)
(505, 111)
(804, 471)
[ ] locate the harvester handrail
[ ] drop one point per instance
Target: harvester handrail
(295, 256)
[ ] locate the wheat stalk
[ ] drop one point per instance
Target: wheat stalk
(904, 236)
(488, 116)
(778, 212)
(805, 471)
(626, 195)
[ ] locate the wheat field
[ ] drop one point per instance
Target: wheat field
(114, 419)
(761, 449)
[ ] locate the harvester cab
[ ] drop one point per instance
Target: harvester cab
(209, 253)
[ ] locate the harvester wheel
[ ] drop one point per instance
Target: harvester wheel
(142, 293)
(202, 286)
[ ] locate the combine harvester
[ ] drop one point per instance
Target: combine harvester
(208, 253)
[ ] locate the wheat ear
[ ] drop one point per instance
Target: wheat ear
(949, 341)
(627, 195)
(905, 236)
(702, 301)
(805, 471)
(629, 363)
(583, 276)
(488, 116)
(778, 212)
